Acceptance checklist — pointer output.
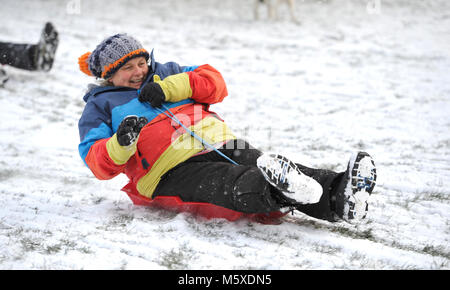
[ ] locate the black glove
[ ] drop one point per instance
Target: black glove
(129, 129)
(153, 94)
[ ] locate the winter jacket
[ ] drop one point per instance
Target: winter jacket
(162, 144)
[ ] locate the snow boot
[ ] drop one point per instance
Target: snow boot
(285, 175)
(46, 48)
(352, 193)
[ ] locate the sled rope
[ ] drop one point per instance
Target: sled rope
(204, 143)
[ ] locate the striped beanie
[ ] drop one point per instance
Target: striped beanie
(110, 55)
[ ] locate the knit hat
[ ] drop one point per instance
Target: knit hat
(110, 55)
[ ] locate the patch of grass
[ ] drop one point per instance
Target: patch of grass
(438, 251)
(327, 249)
(30, 245)
(98, 199)
(53, 249)
(177, 259)
(355, 234)
(122, 219)
(424, 195)
(7, 173)
(438, 195)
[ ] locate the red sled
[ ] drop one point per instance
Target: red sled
(206, 210)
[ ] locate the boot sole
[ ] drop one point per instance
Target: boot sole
(362, 177)
(47, 48)
(284, 174)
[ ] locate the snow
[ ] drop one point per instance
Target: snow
(354, 75)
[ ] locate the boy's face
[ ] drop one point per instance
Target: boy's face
(131, 74)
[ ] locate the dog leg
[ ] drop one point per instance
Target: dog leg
(273, 9)
(256, 9)
(291, 4)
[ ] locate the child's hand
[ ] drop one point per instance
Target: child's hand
(129, 130)
(153, 94)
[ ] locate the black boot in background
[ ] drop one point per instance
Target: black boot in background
(32, 57)
(45, 49)
(18, 55)
(351, 195)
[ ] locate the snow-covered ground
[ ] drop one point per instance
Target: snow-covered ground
(367, 74)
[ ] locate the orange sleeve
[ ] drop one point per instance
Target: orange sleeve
(101, 165)
(207, 84)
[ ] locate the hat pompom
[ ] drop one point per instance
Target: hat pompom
(83, 63)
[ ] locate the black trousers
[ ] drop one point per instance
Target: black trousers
(212, 179)
(18, 55)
